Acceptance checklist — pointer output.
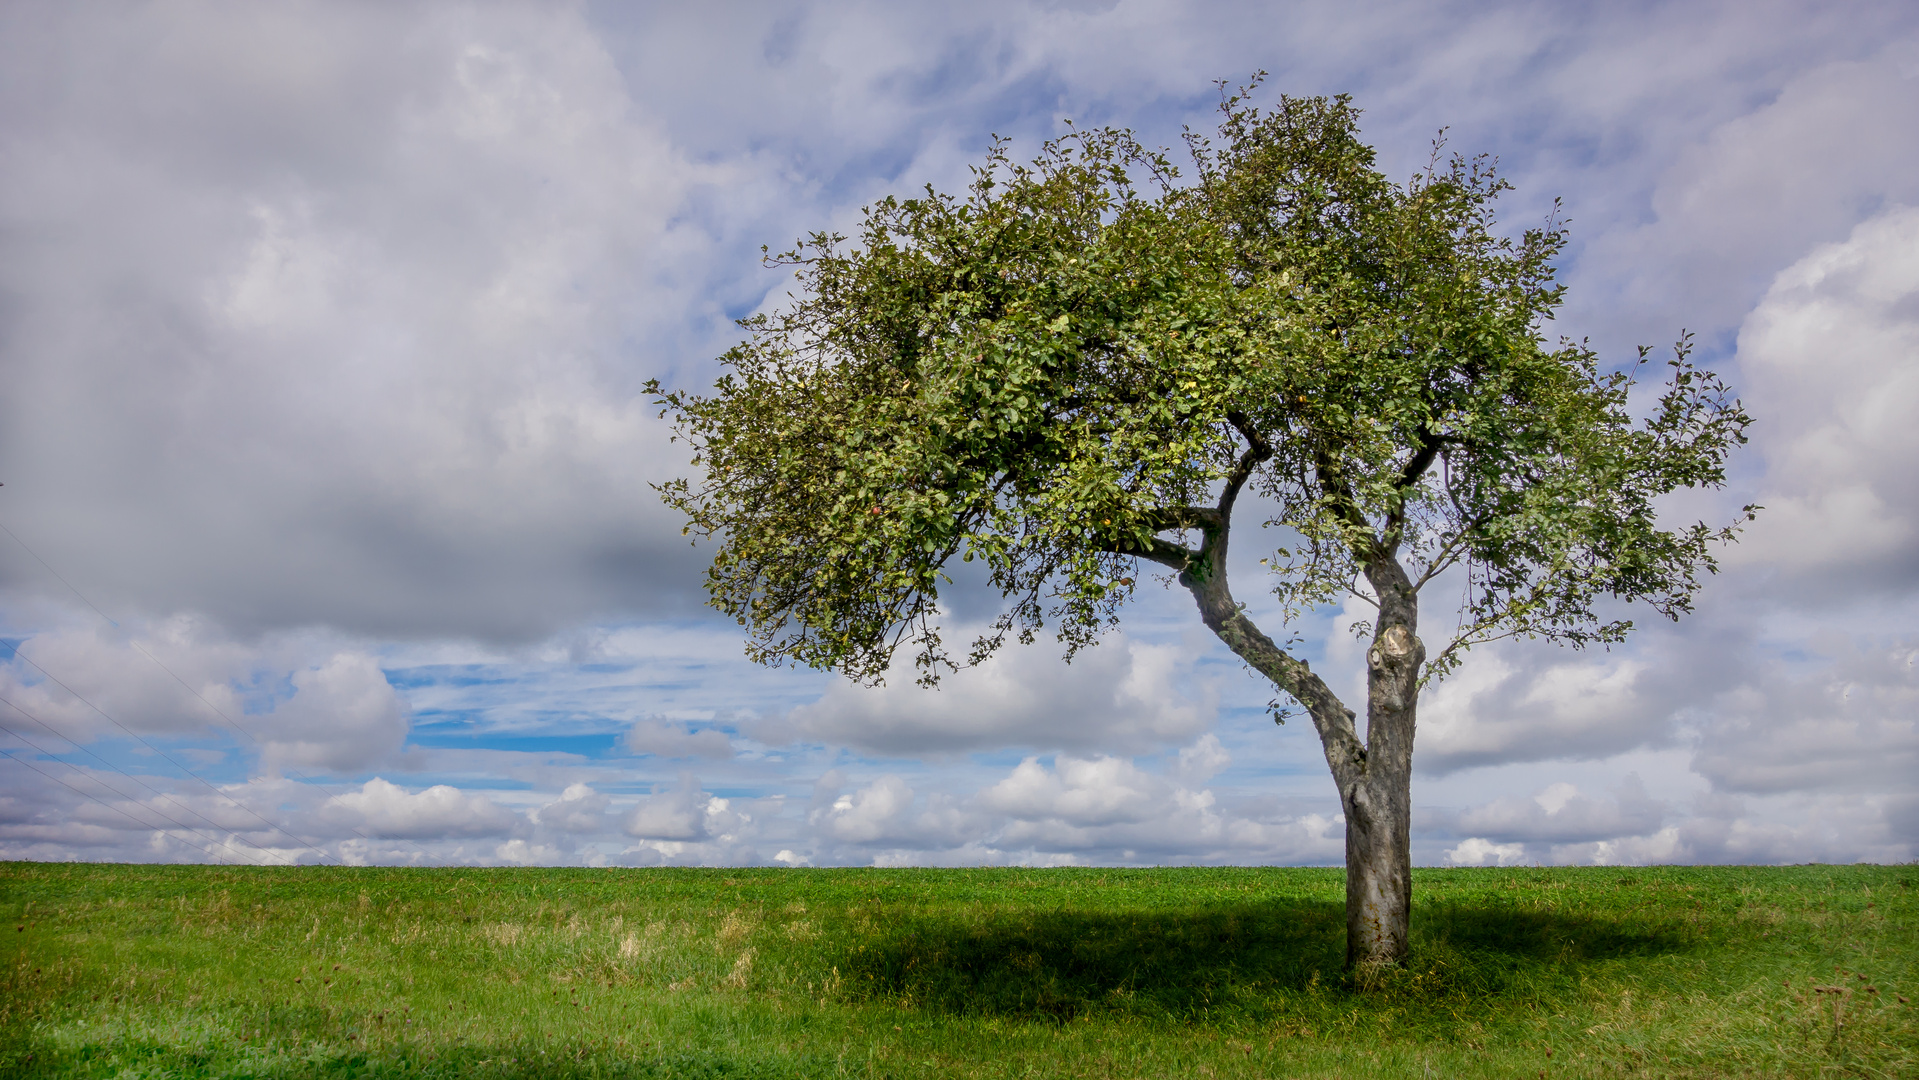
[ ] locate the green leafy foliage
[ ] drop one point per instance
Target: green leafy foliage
(1081, 361)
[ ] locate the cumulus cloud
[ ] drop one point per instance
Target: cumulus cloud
(326, 328)
(1103, 791)
(389, 810)
(1201, 761)
(1478, 851)
(1122, 694)
(343, 715)
(1780, 829)
(1560, 814)
(88, 680)
(1828, 362)
(366, 273)
(579, 809)
(1519, 705)
(298, 699)
(1761, 187)
(683, 813)
(1109, 808)
(889, 811)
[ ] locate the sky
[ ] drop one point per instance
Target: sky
(329, 534)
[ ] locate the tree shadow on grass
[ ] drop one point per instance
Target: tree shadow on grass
(1247, 959)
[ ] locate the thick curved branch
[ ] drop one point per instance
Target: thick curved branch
(1345, 754)
(1430, 446)
(1176, 557)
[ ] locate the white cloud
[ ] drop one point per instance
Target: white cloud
(684, 813)
(1201, 761)
(1851, 725)
(1102, 791)
(579, 809)
(1554, 706)
(1829, 364)
(326, 327)
(1121, 694)
(76, 676)
(364, 364)
(299, 699)
(521, 853)
(1109, 809)
(1559, 813)
(1475, 851)
(1761, 187)
(670, 740)
(868, 814)
(889, 811)
(389, 810)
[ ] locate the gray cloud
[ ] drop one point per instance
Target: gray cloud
(1558, 814)
(677, 740)
(363, 366)
(683, 813)
(579, 809)
(302, 700)
(1520, 702)
(1851, 725)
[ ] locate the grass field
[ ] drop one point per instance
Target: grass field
(124, 971)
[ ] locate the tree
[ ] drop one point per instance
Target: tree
(1084, 363)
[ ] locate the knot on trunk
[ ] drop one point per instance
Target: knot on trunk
(1359, 807)
(1395, 647)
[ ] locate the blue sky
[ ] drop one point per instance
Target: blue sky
(324, 326)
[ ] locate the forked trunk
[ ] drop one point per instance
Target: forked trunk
(1374, 777)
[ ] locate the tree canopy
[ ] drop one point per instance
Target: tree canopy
(1085, 359)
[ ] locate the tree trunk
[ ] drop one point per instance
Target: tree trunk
(1378, 883)
(1378, 802)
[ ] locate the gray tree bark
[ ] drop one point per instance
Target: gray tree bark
(1378, 801)
(1374, 777)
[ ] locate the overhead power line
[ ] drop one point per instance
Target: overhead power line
(135, 736)
(157, 793)
(145, 825)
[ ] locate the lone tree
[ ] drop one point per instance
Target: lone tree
(1084, 363)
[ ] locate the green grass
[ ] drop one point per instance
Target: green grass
(125, 971)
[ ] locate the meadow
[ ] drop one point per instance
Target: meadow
(188, 971)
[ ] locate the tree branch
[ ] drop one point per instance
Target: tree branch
(1258, 450)
(1448, 553)
(1345, 754)
(1168, 518)
(1176, 557)
(1421, 460)
(1415, 467)
(1339, 495)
